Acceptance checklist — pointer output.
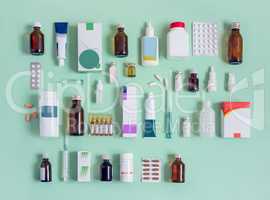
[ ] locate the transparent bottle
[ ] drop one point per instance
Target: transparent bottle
(37, 40)
(121, 42)
(178, 170)
(235, 46)
(207, 120)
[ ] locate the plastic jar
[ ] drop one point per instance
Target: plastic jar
(177, 41)
(126, 167)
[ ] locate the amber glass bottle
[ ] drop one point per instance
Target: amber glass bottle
(178, 170)
(37, 40)
(45, 169)
(120, 42)
(76, 117)
(235, 48)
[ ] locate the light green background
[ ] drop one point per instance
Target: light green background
(215, 168)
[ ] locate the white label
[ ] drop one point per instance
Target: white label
(42, 173)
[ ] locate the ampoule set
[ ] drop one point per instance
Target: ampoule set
(100, 125)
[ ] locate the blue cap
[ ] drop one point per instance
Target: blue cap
(61, 27)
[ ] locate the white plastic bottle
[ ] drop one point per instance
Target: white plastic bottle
(150, 49)
(177, 41)
(126, 167)
(186, 127)
(212, 81)
(99, 92)
(231, 81)
(207, 120)
(112, 72)
(178, 81)
(48, 114)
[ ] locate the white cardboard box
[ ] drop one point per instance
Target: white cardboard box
(83, 166)
(89, 46)
(235, 119)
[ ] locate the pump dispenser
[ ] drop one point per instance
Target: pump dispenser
(150, 52)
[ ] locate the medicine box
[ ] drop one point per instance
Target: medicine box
(89, 46)
(83, 166)
(236, 119)
(129, 109)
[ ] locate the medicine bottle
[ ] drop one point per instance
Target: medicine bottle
(193, 82)
(37, 40)
(130, 70)
(207, 120)
(235, 46)
(76, 117)
(106, 169)
(178, 170)
(45, 169)
(120, 42)
(126, 167)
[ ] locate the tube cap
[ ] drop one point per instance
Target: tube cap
(177, 25)
(37, 24)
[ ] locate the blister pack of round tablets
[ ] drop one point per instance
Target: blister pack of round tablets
(205, 39)
(35, 75)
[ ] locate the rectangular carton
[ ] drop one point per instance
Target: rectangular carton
(236, 119)
(89, 46)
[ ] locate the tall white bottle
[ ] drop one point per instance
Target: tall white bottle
(207, 120)
(150, 49)
(49, 114)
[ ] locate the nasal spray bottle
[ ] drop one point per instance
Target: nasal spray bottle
(49, 114)
(150, 116)
(61, 29)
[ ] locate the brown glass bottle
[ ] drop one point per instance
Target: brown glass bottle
(37, 40)
(120, 42)
(235, 46)
(178, 170)
(76, 117)
(193, 82)
(45, 169)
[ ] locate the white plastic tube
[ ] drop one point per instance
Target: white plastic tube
(65, 165)
(61, 40)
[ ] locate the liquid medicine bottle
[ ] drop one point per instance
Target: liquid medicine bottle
(178, 170)
(121, 42)
(207, 120)
(150, 52)
(76, 117)
(177, 41)
(37, 40)
(106, 169)
(235, 46)
(193, 82)
(45, 169)
(126, 167)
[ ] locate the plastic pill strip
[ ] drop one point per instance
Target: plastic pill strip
(150, 170)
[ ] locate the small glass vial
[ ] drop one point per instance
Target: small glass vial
(37, 40)
(45, 169)
(76, 117)
(193, 82)
(106, 171)
(121, 42)
(130, 70)
(178, 170)
(235, 46)
(186, 127)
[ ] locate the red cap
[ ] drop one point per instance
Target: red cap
(177, 25)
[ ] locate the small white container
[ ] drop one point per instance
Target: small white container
(207, 120)
(186, 127)
(177, 41)
(48, 114)
(126, 167)
(178, 81)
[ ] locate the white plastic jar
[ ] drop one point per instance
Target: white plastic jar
(126, 167)
(49, 114)
(177, 41)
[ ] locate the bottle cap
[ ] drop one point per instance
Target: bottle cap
(192, 71)
(45, 155)
(37, 24)
(126, 156)
(149, 30)
(177, 156)
(150, 95)
(120, 26)
(105, 157)
(77, 97)
(207, 103)
(177, 25)
(236, 25)
(61, 62)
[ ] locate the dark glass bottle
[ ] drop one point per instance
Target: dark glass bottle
(120, 42)
(37, 40)
(178, 170)
(193, 82)
(235, 46)
(45, 169)
(76, 117)
(106, 169)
